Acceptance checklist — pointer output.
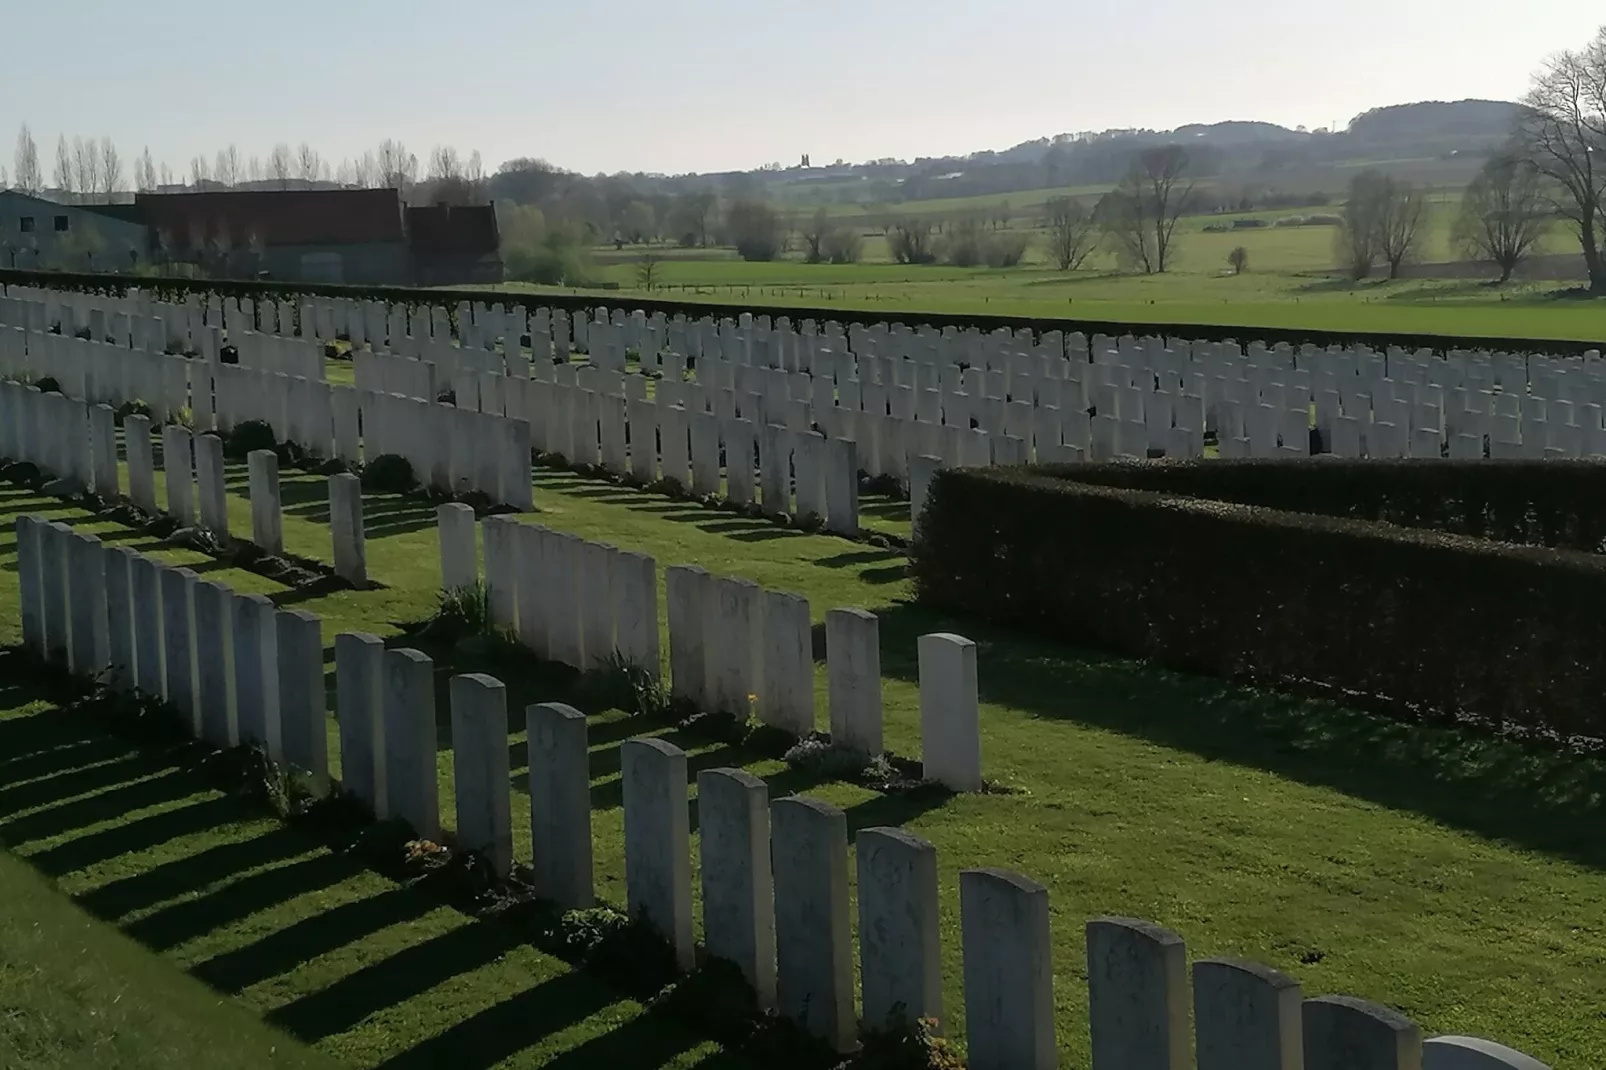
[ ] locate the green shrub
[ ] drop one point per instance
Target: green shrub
(47, 385)
(1424, 621)
(249, 436)
(389, 473)
(460, 612)
(619, 683)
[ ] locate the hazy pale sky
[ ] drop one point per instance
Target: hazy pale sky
(705, 85)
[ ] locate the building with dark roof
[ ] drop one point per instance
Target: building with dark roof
(355, 236)
(362, 236)
(454, 245)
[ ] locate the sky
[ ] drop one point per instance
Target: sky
(678, 86)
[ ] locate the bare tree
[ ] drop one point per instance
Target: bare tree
(814, 234)
(1238, 260)
(30, 179)
(909, 239)
(692, 215)
(1562, 131)
(281, 165)
(647, 272)
(1140, 215)
(86, 166)
(65, 179)
(1357, 239)
(167, 174)
(344, 174)
(1072, 232)
(111, 168)
(199, 175)
(145, 172)
(228, 169)
(1403, 210)
(309, 164)
(398, 168)
(1503, 214)
(365, 171)
(444, 163)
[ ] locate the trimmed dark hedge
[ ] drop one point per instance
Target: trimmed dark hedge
(1437, 623)
(1536, 503)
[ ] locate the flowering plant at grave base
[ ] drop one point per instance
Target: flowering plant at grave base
(419, 850)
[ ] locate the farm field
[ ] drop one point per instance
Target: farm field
(1447, 875)
(1290, 283)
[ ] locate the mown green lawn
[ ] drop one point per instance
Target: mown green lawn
(1456, 878)
(77, 993)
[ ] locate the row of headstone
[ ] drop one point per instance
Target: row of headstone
(1138, 397)
(69, 438)
(734, 647)
(97, 608)
(774, 874)
(453, 449)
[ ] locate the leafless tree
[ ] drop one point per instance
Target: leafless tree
(86, 166)
(253, 169)
(309, 165)
(111, 168)
(1072, 232)
(1140, 215)
(167, 174)
(30, 179)
(1357, 238)
(199, 174)
(692, 215)
(281, 165)
(647, 272)
(1401, 215)
(1238, 260)
(444, 163)
(1383, 222)
(1503, 214)
(843, 245)
(228, 169)
(345, 174)
(65, 179)
(365, 171)
(145, 172)
(814, 234)
(398, 168)
(1562, 132)
(909, 239)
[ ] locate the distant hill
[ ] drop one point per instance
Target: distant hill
(1237, 133)
(1434, 121)
(1248, 163)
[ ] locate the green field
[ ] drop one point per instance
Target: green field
(1291, 281)
(1452, 876)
